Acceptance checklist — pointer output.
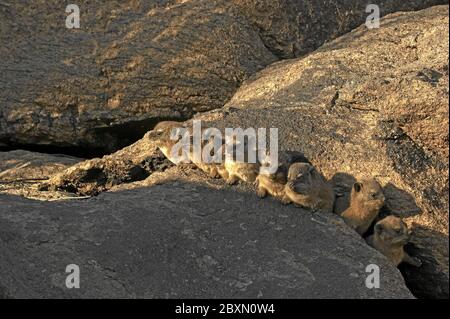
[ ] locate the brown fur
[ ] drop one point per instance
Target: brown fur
(246, 172)
(161, 135)
(366, 200)
(212, 169)
(164, 125)
(307, 188)
(235, 170)
(390, 236)
(274, 184)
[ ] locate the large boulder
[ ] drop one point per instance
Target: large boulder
(373, 102)
(183, 240)
(291, 29)
(133, 63)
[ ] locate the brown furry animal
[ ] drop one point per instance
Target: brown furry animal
(366, 200)
(235, 169)
(274, 184)
(212, 169)
(307, 188)
(161, 134)
(390, 236)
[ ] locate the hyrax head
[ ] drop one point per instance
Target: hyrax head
(241, 149)
(161, 132)
(369, 192)
(164, 125)
(166, 135)
(300, 172)
(393, 231)
(300, 177)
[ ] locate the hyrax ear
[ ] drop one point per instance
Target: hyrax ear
(378, 229)
(357, 186)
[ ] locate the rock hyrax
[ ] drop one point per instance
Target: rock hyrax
(390, 236)
(212, 169)
(161, 135)
(307, 188)
(366, 200)
(274, 184)
(240, 169)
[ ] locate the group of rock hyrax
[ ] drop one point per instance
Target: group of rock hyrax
(297, 181)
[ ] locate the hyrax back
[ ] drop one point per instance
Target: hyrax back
(366, 200)
(208, 163)
(164, 125)
(307, 188)
(272, 184)
(162, 134)
(390, 236)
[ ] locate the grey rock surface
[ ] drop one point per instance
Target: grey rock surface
(292, 29)
(366, 102)
(183, 240)
(21, 172)
(22, 164)
(370, 103)
(135, 62)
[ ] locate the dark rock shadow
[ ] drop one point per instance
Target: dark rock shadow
(342, 185)
(399, 202)
(431, 280)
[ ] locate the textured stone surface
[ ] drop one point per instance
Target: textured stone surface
(182, 240)
(369, 103)
(31, 165)
(291, 28)
(135, 62)
(133, 163)
(21, 172)
(373, 102)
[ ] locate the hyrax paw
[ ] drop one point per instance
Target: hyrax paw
(261, 193)
(232, 181)
(214, 175)
(285, 201)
